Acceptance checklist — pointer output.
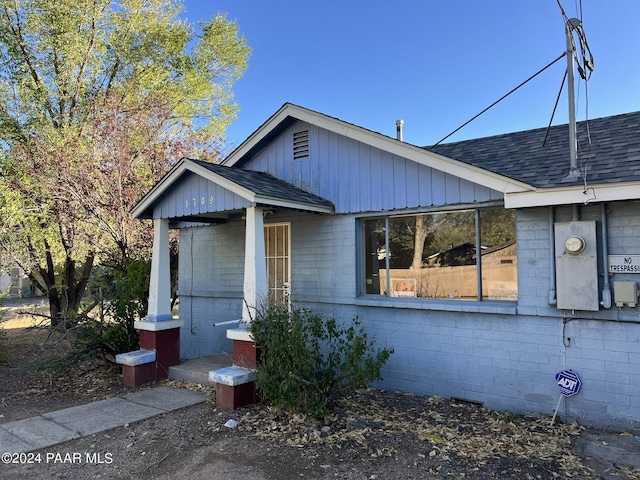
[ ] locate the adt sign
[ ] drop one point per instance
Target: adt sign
(568, 382)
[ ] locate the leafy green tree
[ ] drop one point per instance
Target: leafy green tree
(97, 100)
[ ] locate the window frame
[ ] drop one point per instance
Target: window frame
(506, 306)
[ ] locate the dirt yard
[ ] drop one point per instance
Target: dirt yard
(373, 434)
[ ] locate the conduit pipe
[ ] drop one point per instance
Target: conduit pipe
(606, 290)
(552, 259)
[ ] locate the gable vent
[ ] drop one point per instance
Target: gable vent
(301, 144)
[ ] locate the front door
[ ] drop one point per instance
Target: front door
(277, 246)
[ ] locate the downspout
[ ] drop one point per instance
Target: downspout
(606, 290)
(387, 261)
(478, 255)
(552, 259)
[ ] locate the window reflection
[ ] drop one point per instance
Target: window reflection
(434, 255)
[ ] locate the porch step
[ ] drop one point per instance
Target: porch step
(232, 376)
(197, 370)
(138, 357)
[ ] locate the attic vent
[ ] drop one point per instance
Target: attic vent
(301, 144)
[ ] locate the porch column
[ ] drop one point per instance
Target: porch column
(159, 332)
(255, 266)
(160, 283)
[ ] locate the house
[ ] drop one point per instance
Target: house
(13, 281)
(327, 213)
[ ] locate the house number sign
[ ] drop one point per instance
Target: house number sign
(203, 201)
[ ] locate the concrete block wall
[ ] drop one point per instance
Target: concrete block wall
(506, 361)
(210, 286)
(606, 356)
(602, 347)
(323, 258)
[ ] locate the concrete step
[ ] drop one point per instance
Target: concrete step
(197, 370)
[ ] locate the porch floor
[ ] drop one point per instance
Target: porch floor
(197, 370)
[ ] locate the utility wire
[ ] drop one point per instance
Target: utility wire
(498, 101)
(555, 107)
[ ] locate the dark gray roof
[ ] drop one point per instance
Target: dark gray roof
(612, 156)
(265, 185)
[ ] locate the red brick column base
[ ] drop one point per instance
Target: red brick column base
(245, 354)
(134, 376)
(159, 350)
(230, 397)
(166, 344)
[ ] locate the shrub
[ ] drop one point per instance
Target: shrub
(308, 362)
(127, 301)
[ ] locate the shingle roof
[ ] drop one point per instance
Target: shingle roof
(612, 156)
(265, 185)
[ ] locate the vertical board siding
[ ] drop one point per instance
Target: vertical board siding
(451, 189)
(357, 177)
(412, 186)
(191, 196)
(353, 171)
(424, 180)
(375, 160)
(365, 173)
(399, 182)
(438, 196)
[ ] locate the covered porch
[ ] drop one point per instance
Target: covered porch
(200, 197)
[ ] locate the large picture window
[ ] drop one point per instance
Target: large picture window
(435, 255)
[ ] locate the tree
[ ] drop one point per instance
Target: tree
(422, 231)
(97, 100)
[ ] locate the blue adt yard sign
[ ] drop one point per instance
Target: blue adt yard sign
(568, 382)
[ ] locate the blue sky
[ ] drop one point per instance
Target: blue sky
(433, 63)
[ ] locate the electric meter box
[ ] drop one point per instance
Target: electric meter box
(576, 266)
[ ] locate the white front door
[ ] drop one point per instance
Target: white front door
(277, 245)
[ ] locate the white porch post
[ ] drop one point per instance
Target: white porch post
(255, 268)
(160, 282)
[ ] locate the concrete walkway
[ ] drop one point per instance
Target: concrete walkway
(56, 427)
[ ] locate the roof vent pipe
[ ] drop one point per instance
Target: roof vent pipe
(399, 124)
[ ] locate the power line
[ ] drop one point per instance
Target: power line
(499, 100)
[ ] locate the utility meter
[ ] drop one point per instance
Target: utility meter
(574, 245)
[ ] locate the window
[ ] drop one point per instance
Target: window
(434, 255)
(277, 243)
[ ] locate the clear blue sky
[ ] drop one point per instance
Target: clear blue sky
(433, 63)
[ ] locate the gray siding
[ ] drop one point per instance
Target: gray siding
(357, 177)
(210, 286)
(193, 195)
(504, 356)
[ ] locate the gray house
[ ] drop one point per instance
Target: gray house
(345, 220)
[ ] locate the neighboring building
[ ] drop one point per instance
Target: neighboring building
(13, 281)
(327, 212)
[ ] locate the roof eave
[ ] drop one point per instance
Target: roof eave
(577, 194)
(308, 207)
